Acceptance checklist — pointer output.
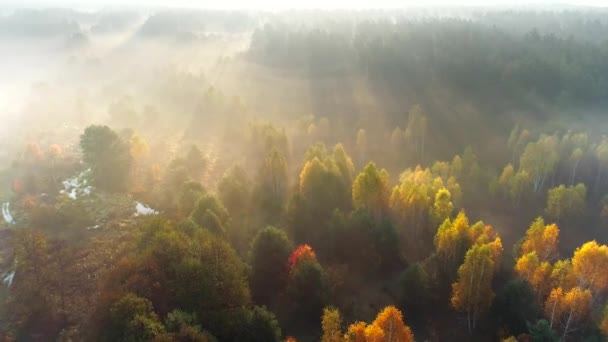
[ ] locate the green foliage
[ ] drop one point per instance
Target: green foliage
(416, 292)
(541, 332)
(269, 269)
(307, 289)
(132, 318)
(210, 214)
(108, 157)
(515, 305)
(566, 202)
(234, 190)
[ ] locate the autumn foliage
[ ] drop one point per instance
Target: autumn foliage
(303, 252)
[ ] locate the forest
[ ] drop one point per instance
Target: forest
(380, 175)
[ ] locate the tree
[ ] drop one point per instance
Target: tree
(452, 238)
(472, 292)
(210, 214)
(541, 331)
(356, 332)
(344, 163)
(107, 156)
(271, 190)
(535, 272)
(195, 162)
(589, 264)
(601, 153)
(269, 267)
(515, 305)
(132, 318)
(416, 129)
(390, 321)
(307, 288)
(442, 207)
(415, 291)
(541, 239)
(331, 324)
(539, 159)
(234, 190)
(370, 190)
(566, 202)
(569, 309)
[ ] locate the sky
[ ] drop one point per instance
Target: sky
(288, 4)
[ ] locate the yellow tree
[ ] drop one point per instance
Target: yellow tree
(569, 309)
(562, 275)
(589, 265)
(452, 237)
(541, 239)
(537, 273)
(442, 208)
(472, 292)
(374, 333)
(390, 321)
(331, 324)
(370, 189)
(356, 332)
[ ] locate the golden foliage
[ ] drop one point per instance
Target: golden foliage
(589, 265)
(541, 239)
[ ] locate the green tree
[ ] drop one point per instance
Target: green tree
(132, 318)
(269, 269)
(566, 202)
(108, 157)
(515, 305)
(234, 190)
(541, 331)
(210, 214)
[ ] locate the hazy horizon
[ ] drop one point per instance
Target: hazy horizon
(286, 5)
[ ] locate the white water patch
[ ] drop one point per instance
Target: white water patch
(7, 278)
(77, 186)
(7, 214)
(142, 210)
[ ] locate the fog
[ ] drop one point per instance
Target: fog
(282, 171)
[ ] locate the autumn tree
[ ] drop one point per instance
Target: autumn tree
(387, 327)
(442, 207)
(541, 239)
(356, 332)
(108, 157)
(537, 273)
(370, 190)
(472, 292)
(589, 264)
(452, 238)
(307, 288)
(568, 308)
(390, 321)
(331, 324)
